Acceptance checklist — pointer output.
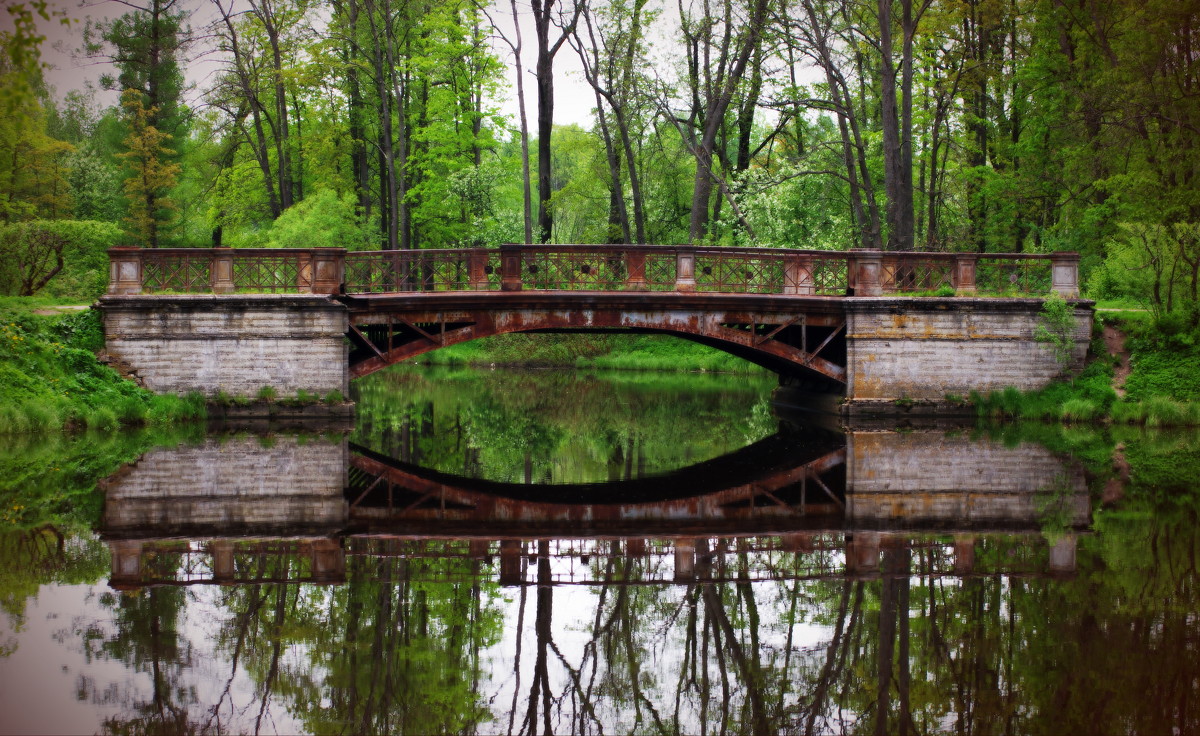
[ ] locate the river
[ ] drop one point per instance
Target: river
(500, 551)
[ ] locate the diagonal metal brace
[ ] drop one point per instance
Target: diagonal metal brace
(437, 340)
(760, 340)
(363, 340)
(824, 342)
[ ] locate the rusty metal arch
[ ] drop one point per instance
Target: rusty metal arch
(764, 331)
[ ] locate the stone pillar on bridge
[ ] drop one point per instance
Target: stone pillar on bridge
(797, 275)
(963, 274)
(635, 271)
(868, 272)
(125, 271)
(328, 270)
(685, 270)
(477, 270)
(511, 257)
(221, 271)
(1064, 269)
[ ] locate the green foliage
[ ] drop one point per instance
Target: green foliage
(322, 220)
(1056, 326)
(1087, 396)
(334, 397)
(84, 275)
(50, 379)
(267, 393)
(490, 423)
(600, 351)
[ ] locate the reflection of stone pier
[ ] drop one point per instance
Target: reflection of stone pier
(229, 486)
(263, 509)
(938, 480)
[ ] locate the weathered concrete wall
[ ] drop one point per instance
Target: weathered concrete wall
(923, 348)
(230, 344)
(229, 484)
(934, 478)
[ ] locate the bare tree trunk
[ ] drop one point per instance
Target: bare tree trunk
(544, 69)
(526, 191)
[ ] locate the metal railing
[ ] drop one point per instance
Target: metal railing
(596, 268)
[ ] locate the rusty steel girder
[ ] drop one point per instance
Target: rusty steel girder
(802, 335)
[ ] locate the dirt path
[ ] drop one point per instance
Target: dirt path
(1114, 344)
(60, 309)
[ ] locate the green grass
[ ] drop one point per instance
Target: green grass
(50, 378)
(1163, 389)
(601, 351)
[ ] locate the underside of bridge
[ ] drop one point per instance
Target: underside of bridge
(795, 338)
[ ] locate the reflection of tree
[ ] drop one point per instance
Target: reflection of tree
(513, 426)
(145, 638)
(395, 649)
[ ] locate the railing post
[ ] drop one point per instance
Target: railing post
(797, 275)
(304, 272)
(1064, 272)
(867, 266)
(477, 269)
(963, 275)
(635, 271)
(685, 269)
(124, 270)
(221, 271)
(511, 257)
(685, 560)
(328, 270)
(223, 567)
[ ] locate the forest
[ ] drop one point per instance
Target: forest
(963, 125)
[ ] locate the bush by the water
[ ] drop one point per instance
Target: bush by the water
(50, 378)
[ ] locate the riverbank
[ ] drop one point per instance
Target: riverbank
(1139, 371)
(590, 350)
(51, 379)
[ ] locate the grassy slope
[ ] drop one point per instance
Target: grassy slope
(50, 378)
(1162, 390)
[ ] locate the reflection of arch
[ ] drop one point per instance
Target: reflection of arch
(790, 335)
(768, 481)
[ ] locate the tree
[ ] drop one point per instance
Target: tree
(150, 176)
(544, 13)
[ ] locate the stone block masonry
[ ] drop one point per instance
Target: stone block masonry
(934, 479)
(230, 344)
(230, 484)
(930, 349)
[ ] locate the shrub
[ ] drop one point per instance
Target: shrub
(84, 251)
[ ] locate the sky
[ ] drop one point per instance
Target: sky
(574, 101)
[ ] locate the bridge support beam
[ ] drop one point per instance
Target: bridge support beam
(914, 353)
(231, 344)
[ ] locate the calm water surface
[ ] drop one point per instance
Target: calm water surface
(535, 552)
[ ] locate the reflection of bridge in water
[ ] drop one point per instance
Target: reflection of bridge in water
(780, 509)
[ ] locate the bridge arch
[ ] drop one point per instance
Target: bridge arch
(805, 339)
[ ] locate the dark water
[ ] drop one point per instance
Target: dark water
(505, 552)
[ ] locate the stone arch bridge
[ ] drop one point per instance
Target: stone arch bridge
(883, 328)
